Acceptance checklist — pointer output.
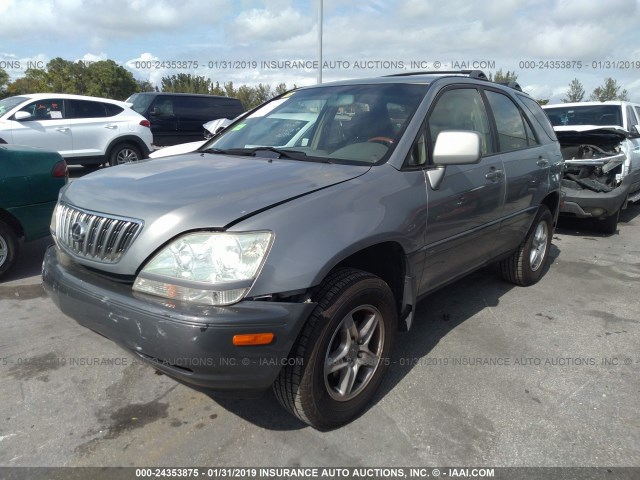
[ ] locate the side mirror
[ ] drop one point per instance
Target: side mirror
(457, 147)
(21, 116)
(635, 131)
(454, 147)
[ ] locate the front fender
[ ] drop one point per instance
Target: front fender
(316, 232)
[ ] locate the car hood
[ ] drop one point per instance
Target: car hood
(201, 190)
(590, 133)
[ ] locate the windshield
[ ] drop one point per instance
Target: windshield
(139, 103)
(585, 115)
(8, 103)
(347, 124)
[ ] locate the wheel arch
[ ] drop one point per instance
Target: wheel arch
(552, 202)
(386, 260)
(13, 222)
(144, 150)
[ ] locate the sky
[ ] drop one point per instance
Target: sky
(546, 42)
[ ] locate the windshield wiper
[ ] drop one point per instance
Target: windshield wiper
(270, 152)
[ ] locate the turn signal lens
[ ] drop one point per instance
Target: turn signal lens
(253, 339)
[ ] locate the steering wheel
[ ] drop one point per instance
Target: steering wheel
(382, 140)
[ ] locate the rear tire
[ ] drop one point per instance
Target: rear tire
(124, 153)
(527, 264)
(609, 225)
(9, 248)
(342, 352)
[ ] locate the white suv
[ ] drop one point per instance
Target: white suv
(85, 130)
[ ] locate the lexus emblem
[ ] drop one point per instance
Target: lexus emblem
(78, 232)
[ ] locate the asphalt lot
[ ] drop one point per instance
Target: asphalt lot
(562, 390)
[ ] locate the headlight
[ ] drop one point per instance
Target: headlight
(213, 268)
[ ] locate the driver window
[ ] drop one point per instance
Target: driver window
(460, 109)
(49, 109)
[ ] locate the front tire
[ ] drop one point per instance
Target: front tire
(9, 247)
(527, 264)
(124, 153)
(342, 352)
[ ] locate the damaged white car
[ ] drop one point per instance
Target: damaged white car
(601, 146)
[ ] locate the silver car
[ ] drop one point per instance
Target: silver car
(248, 265)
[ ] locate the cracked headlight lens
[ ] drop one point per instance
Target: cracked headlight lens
(212, 268)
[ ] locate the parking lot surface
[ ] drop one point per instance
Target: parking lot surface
(490, 375)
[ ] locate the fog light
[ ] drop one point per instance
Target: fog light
(597, 212)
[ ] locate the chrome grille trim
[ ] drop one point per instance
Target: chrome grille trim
(104, 238)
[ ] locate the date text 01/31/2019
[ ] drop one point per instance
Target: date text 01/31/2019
(579, 64)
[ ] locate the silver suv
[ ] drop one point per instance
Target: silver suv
(249, 264)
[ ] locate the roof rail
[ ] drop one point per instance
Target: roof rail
(514, 85)
(478, 74)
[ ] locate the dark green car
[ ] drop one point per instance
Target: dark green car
(30, 179)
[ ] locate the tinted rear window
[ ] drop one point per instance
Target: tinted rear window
(140, 103)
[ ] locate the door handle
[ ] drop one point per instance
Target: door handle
(494, 174)
(111, 126)
(62, 129)
(542, 162)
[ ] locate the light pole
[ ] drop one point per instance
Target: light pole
(319, 41)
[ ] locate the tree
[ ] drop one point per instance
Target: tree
(575, 92)
(281, 88)
(609, 90)
(218, 90)
(542, 101)
(229, 90)
(108, 79)
(263, 93)
(500, 77)
(145, 86)
(63, 76)
(247, 96)
(24, 85)
(186, 83)
(35, 80)
(4, 80)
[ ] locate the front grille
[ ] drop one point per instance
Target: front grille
(95, 236)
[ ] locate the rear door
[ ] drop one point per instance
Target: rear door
(93, 126)
(164, 123)
(464, 212)
(526, 164)
(192, 113)
(47, 127)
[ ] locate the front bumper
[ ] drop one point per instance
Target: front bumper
(192, 343)
(581, 203)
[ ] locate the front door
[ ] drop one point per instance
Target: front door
(464, 211)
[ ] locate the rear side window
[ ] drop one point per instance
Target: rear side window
(139, 102)
(460, 109)
(206, 108)
(112, 110)
(539, 115)
(512, 134)
(162, 107)
(85, 109)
